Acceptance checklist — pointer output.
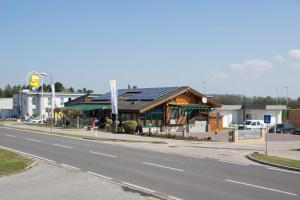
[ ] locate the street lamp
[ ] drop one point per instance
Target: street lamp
(52, 100)
(203, 82)
(287, 101)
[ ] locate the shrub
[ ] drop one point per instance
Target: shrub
(129, 126)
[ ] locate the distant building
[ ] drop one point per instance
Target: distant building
(237, 114)
(29, 103)
(294, 117)
(6, 108)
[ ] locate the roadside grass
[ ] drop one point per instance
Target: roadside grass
(11, 162)
(277, 160)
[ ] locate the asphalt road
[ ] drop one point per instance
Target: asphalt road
(173, 176)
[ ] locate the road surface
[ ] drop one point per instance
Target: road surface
(169, 175)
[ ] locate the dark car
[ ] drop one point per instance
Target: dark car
(296, 131)
(283, 128)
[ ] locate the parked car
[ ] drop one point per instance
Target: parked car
(296, 131)
(283, 128)
(252, 124)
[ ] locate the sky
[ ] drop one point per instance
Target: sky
(249, 47)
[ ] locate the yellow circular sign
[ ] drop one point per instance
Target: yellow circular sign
(34, 79)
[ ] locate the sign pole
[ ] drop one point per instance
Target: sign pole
(266, 138)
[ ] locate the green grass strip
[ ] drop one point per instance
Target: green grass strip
(11, 162)
(277, 160)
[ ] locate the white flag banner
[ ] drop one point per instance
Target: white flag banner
(113, 96)
(53, 97)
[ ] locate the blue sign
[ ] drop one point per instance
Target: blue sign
(267, 119)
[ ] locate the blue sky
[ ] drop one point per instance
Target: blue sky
(236, 47)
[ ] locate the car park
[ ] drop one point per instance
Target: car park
(296, 131)
(283, 128)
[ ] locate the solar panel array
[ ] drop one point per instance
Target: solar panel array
(142, 94)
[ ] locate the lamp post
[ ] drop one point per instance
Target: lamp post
(43, 111)
(52, 100)
(287, 102)
(203, 82)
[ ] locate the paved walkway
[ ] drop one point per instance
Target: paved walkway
(60, 183)
(287, 147)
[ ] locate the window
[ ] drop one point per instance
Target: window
(248, 116)
(61, 101)
(33, 101)
(49, 101)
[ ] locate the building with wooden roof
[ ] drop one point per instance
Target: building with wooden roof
(164, 108)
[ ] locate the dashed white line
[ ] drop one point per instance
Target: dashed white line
(13, 136)
(200, 157)
(33, 140)
(162, 166)
(231, 162)
(282, 170)
(70, 167)
(261, 187)
(103, 154)
(63, 146)
(174, 198)
(139, 187)
(99, 175)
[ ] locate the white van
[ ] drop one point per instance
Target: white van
(252, 124)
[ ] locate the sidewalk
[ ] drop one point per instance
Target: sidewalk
(61, 183)
(217, 150)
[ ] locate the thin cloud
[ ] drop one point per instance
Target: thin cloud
(294, 53)
(255, 67)
(218, 75)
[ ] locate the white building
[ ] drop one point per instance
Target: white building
(237, 114)
(29, 103)
(6, 108)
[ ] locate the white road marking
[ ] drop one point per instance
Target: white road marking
(261, 187)
(231, 162)
(201, 157)
(103, 154)
(99, 175)
(282, 170)
(70, 167)
(13, 136)
(174, 198)
(33, 140)
(28, 154)
(139, 187)
(162, 166)
(67, 147)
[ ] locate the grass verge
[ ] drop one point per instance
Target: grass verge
(11, 162)
(277, 160)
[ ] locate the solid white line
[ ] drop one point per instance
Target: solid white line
(70, 167)
(162, 166)
(33, 140)
(103, 154)
(261, 187)
(13, 136)
(201, 157)
(139, 187)
(99, 175)
(28, 154)
(231, 162)
(63, 146)
(174, 198)
(282, 170)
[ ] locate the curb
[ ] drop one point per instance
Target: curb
(273, 164)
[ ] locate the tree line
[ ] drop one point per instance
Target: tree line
(232, 99)
(9, 90)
